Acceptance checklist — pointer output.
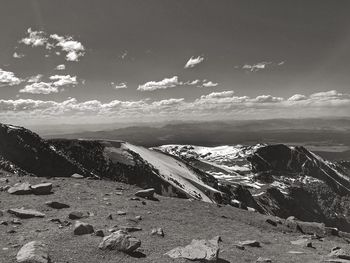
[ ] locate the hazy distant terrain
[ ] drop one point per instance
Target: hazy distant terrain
(328, 137)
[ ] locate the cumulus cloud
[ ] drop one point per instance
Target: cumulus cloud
(194, 61)
(74, 49)
(34, 38)
(162, 84)
(297, 97)
(193, 82)
(39, 88)
(18, 55)
(260, 66)
(213, 106)
(267, 98)
(8, 78)
(64, 80)
(35, 78)
(121, 85)
(209, 84)
(61, 67)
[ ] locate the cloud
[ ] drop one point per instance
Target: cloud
(209, 84)
(121, 85)
(39, 88)
(267, 99)
(125, 53)
(297, 97)
(194, 61)
(61, 67)
(223, 105)
(35, 78)
(34, 38)
(8, 78)
(64, 80)
(162, 84)
(18, 55)
(74, 49)
(260, 66)
(193, 82)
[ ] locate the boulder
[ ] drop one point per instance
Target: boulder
(130, 228)
(263, 260)
(33, 252)
(99, 233)
(157, 231)
(76, 215)
(56, 205)
(146, 193)
(77, 176)
(20, 189)
(42, 189)
(198, 250)
(312, 228)
(271, 222)
(81, 228)
(25, 213)
(340, 253)
(121, 241)
(250, 243)
(121, 213)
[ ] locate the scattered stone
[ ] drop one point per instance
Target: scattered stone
(271, 222)
(302, 242)
(42, 189)
(197, 250)
(295, 252)
(16, 221)
(121, 241)
(250, 243)
(312, 228)
(138, 217)
(331, 231)
(263, 260)
(77, 176)
(121, 213)
(56, 205)
(99, 233)
(4, 223)
(146, 193)
(11, 231)
(251, 209)
(20, 189)
(110, 216)
(81, 228)
(33, 252)
(25, 213)
(135, 199)
(340, 253)
(76, 215)
(119, 193)
(157, 231)
(130, 228)
(143, 202)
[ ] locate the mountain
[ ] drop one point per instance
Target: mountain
(275, 179)
(284, 180)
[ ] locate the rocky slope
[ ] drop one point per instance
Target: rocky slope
(284, 181)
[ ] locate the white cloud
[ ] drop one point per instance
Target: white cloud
(260, 66)
(121, 85)
(61, 67)
(218, 95)
(18, 55)
(194, 61)
(34, 38)
(74, 49)
(64, 80)
(193, 82)
(209, 84)
(267, 99)
(35, 78)
(8, 78)
(297, 97)
(39, 88)
(162, 84)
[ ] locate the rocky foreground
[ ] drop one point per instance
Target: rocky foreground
(82, 220)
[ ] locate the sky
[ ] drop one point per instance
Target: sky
(109, 61)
